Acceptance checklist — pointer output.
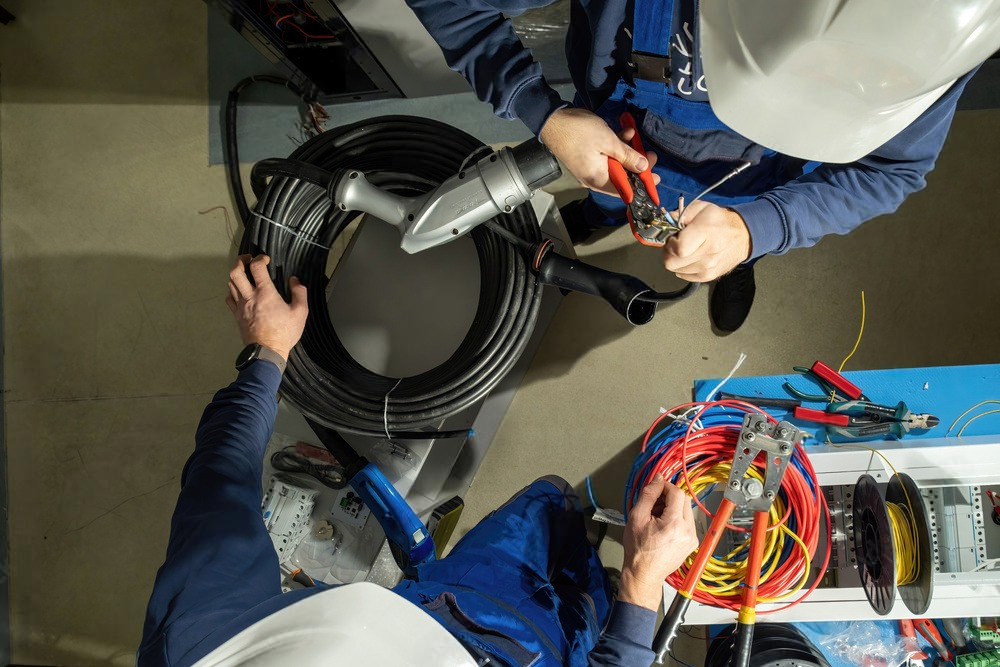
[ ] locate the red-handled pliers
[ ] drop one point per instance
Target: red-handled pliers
(650, 223)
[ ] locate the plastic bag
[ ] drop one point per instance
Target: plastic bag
(865, 639)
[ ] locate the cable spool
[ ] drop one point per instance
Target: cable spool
(916, 594)
(892, 544)
(774, 645)
(697, 457)
(409, 156)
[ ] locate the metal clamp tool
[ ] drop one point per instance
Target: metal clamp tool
(776, 442)
(650, 223)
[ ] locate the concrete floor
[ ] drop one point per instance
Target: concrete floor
(116, 335)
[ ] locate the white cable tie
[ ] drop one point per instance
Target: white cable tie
(736, 367)
(385, 410)
(293, 232)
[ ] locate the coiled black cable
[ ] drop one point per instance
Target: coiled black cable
(295, 222)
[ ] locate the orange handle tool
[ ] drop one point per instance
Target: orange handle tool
(627, 120)
(748, 608)
(619, 179)
(674, 617)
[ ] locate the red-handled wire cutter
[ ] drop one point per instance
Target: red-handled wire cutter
(650, 223)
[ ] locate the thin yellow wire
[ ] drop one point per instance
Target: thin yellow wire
(861, 332)
(982, 414)
(977, 405)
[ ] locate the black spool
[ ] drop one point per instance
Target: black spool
(873, 546)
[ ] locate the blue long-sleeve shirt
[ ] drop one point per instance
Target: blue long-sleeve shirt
(221, 572)
(480, 43)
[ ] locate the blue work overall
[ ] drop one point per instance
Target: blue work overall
(525, 582)
(694, 148)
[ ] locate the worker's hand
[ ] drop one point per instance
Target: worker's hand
(583, 142)
(659, 536)
(262, 315)
(713, 242)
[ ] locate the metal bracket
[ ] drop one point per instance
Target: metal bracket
(757, 435)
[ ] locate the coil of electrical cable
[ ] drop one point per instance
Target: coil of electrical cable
(774, 645)
(693, 446)
(295, 223)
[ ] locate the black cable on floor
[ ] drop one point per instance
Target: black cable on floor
(232, 157)
(295, 222)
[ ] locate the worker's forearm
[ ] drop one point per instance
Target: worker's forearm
(837, 198)
(627, 639)
(479, 42)
(239, 420)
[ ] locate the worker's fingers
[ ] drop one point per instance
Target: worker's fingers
(299, 299)
(689, 213)
(230, 301)
(258, 268)
(674, 502)
(676, 264)
(238, 277)
(630, 158)
(626, 136)
(700, 275)
(649, 495)
(233, 292)
(687, 250)
(687, 242)
(688, 510)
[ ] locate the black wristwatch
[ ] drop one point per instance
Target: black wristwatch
(255, 351)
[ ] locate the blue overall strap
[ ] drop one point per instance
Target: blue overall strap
(670, 28)
(651, 26)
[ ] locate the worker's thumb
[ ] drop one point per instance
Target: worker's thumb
(649, 495)
(630, 158)
(298, 293)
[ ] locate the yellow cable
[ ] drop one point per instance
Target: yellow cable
(977, 405)
(904, 537)
(723, 577)
(861, 332)
(966, 424)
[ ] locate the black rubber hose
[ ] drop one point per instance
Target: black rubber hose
(232, 157)
(408, 156)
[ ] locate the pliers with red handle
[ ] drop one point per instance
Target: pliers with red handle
(861, 420)
(846, 419)
(834, 385)
(650, 223)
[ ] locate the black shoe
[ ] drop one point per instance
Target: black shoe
(732, 298)
(576, 224)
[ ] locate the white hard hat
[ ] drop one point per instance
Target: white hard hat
(832, 80)
(355, 624)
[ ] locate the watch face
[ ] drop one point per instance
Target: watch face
(248, 354)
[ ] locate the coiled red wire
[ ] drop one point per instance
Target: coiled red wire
(716, 444)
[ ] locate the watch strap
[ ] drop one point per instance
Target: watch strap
(267, 354)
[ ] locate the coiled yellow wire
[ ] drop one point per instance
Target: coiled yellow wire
(723, 577)
(904, 537)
